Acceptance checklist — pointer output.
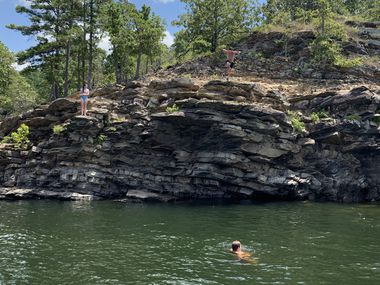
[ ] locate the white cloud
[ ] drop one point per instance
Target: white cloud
(24, 3)
(105, 43)
(46, 36)
(165, 1)
(168, 39)
(20, 67)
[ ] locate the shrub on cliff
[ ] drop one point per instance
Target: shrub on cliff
(327, 52)
(172, 109)
(57, 129)
(19, 138)
(317, 116)
(297, 124)
(100, 139)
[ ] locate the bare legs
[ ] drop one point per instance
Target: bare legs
(83, 106)
(229, 70)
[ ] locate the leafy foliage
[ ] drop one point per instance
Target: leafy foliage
(132, 33)
(209, 24)
(327, 51)
(376, 119)
(317, 116)
(297, 124)
(16, 94)
(19, 138)
(100, 139)
(353, 117)
(172, 109)
(58, 129)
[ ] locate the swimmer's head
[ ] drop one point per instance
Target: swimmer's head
(236, 245)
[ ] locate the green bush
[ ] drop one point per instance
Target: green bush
(100, 139)
(355, 117)
(324, 50)
(118, 120)
(172, 109)
(376, 119)
(323, 114)
(344, 62)
(19, 138)
(57, 129)
(297, 124)
(317, 116)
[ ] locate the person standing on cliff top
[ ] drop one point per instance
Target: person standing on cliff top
(85, 92)
(230, 62)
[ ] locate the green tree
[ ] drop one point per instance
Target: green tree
(16, 94)
(93, 19)
(117, 21)
(209, 24)
(132, 34)
(149, 31)
(51, 23)
(6, 70)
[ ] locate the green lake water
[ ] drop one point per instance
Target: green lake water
(48, 242)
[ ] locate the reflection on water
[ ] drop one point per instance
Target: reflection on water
(45, 242)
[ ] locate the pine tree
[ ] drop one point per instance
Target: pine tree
(117, 21)
(51, 24)
(149, 33)
(94, 8)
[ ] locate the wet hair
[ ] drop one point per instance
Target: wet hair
(235, 245)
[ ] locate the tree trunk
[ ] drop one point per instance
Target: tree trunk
(52, 95)
(147, 65)
(138, 64)
(78, 69)
(117, 66)
(67, 61)
(323, 25)
(56, 90)
(84, 47)
(214, 39)
(125, 79)
(89, 77)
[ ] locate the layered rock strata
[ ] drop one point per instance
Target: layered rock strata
(227, 140)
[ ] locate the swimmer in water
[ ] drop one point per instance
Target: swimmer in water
(242, 255)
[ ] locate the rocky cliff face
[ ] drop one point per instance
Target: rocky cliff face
(227, 139)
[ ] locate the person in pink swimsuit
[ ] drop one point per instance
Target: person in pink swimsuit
(230, 62)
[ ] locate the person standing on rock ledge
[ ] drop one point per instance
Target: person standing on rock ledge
(85, 92)
(230, 62)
